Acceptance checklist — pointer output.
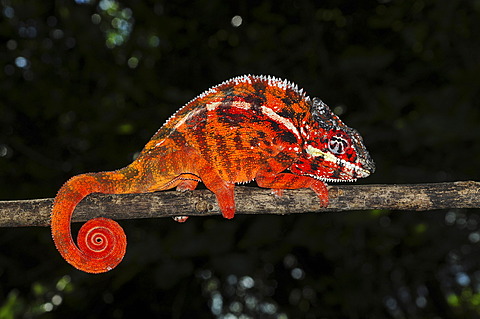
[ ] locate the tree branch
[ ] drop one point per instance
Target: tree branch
(250, 200)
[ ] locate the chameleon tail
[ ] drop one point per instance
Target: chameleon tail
(101, 241)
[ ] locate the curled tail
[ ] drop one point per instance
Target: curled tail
(101, 241)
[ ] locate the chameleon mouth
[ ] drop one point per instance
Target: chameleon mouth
(361, 172)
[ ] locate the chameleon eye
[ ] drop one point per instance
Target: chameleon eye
(338, 144)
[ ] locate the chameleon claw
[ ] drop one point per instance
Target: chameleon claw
(180, 219)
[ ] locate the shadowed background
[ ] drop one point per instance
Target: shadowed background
(85, 84)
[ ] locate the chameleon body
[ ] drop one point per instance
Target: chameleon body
(248, 128)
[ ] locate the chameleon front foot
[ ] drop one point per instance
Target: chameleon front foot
(320, 188)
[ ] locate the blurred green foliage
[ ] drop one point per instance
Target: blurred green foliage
(84, 84)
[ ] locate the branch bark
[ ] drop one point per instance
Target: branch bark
(250, 200)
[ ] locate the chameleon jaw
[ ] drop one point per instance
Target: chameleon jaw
(332, 180)
(328, 157)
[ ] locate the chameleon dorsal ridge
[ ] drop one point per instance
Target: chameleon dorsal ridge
(247, 128)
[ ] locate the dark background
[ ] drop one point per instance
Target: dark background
(85, 84)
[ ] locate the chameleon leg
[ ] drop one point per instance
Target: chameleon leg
(185, 185)
(225, 196)
(205, 173)
(223, 190)
(270, 177)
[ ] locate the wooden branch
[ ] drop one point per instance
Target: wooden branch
(250, 200)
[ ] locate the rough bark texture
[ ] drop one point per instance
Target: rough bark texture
(250, 200)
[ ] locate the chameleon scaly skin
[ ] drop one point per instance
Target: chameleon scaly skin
(248, 128)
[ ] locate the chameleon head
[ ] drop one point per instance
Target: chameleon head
(332, 151)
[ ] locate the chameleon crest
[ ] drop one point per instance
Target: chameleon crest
(248, 128)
